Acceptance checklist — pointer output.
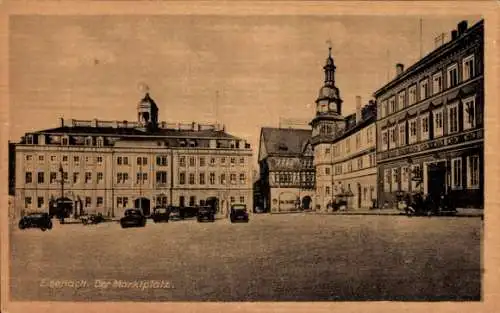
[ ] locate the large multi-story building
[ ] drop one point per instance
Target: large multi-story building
(107, 166)
(430, 123)
(344, 148)
(286, 169)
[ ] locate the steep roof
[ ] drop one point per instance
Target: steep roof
(285, 141)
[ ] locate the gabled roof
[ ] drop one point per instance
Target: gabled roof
(133, 132)
(285, 141)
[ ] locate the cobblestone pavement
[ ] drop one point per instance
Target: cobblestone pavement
(274, 257)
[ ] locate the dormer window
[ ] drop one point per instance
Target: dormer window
(88, 141)
(65, 140)
(100, 141)
(29, 139)
(282, 147)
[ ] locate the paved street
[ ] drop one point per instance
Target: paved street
(274, 257)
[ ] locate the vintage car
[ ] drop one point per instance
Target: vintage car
(92, 219)
(133, 218)
(160, 214)
(175, 213)
(205, 213)
(36, 220)
(238, 213)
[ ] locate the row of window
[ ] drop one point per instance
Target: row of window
(399, 102)
(65, 159)
(367, 192)
(410, 132)
(407, 178)
(28, 178)
(354, 164)
(184, 178)
(40, 202)
(345, 146)
(121, 202)
(162, 160)
(292, 178)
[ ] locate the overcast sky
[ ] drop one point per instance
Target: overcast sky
(265, 67)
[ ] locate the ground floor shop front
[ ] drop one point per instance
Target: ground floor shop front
(113, 202)
(458, 172)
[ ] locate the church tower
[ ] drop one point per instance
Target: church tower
(147, 113)
(328, 121)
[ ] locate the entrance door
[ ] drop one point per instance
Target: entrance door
(306, 203)
(144, 204)
(181, 201)
(359, 196)
(436, 179)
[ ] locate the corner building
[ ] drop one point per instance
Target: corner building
(108, 166)
(431, 123)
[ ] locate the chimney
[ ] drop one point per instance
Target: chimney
(62, 121)
(462, 27)
(454, 34)
(399, 69)
(358, 109)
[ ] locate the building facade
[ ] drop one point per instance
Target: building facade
(286, 169)
(108, 166)
(354, 166)
(431, 123)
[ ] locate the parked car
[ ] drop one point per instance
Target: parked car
(160, 214)
(175, 213)
(92, 219)
(133, 218)
(239, 213)
(205, 213)
(36, 220)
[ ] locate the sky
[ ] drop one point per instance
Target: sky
(263, 67)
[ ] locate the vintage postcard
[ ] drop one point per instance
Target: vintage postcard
(252, 156)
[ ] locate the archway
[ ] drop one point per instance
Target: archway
(306, 203)
(144, 204)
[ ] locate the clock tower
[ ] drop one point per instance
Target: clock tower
(328, 121)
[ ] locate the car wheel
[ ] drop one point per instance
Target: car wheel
(49, 226)
(22, 226)
(43, 228)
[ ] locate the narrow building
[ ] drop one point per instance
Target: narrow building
(286, 169)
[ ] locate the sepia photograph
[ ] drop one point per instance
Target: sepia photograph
(246, 157)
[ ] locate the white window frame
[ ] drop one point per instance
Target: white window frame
(451, 107)
(437, 88)
(387, 183)
(456, 184)
(465, 73)
(384, 135)
(448, 75)
(466, 124)
(412, 95)
(392, 105)
(394, 178)
(405, 178)
(424, 135)
(402, 134)
(438, 131)
(392, 137)
(384, 108)
(401, 100)
(471, 182)
(424, 88)
(412, 138)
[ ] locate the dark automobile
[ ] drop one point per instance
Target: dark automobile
(133, 218)
(36, 220)
(92, 219)
(175, 213)
(239, 213)
(160, 214)
(205, 213)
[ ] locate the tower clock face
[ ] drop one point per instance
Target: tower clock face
(332, 106)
